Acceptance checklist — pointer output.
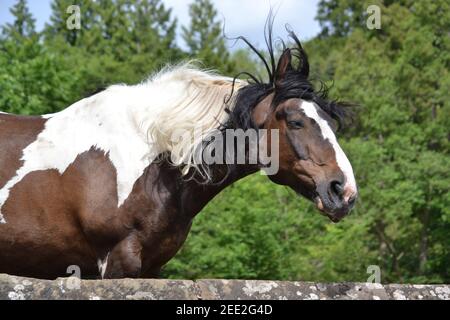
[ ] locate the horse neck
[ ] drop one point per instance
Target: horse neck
(195, 195)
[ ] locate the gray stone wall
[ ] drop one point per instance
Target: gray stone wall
(17, 288)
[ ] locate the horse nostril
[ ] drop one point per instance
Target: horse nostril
(337, 188)
(352, 200)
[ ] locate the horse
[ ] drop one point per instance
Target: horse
(100, 185)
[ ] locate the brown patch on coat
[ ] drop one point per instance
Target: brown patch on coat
(16, 133)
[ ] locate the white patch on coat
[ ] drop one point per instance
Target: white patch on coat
(102, 265)
(344, 164)
(107, 121)
(131, 124)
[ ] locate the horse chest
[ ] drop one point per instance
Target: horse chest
(162, 235)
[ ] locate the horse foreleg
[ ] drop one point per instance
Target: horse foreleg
(123, 261)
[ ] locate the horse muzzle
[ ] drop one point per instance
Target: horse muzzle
(335, 201)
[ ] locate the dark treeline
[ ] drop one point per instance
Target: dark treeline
(398, 142)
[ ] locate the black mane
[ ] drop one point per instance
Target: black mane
(296, 84)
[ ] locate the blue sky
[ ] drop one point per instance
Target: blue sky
(242, 17)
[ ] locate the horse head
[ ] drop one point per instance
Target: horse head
(310, 159)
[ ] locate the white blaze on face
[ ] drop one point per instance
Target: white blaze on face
(350, 184)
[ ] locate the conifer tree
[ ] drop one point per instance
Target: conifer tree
(153, 24)
(34, 79)
(57, 27)
(24, 23)
(204, 37)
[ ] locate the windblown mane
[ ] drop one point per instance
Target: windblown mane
(200, 106)
(214, 102)
(296, 83)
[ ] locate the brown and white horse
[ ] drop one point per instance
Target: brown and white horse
(98, 185)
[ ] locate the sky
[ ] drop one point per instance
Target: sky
(242, 17)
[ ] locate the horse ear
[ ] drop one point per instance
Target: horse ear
(284, 65)
(262, 110)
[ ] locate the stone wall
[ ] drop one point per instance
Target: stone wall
(17, 288)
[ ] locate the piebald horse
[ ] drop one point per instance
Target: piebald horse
(96, 185)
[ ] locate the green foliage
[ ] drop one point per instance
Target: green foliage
(340, 17)
(33, 80)
(399, 149)
(398, 74)
(204, 36)
(398, 143)
(119, 40)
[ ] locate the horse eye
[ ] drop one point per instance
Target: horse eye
(295, 124)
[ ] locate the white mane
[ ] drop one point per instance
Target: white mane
(197, 106)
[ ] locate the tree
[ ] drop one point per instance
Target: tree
(119, 40)
(204, 38)
(339, 17)
(57, 27)
(153, 36)
(32, 79)
(401, 144)
(399, 149)
(24, 23)
(153, 26)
